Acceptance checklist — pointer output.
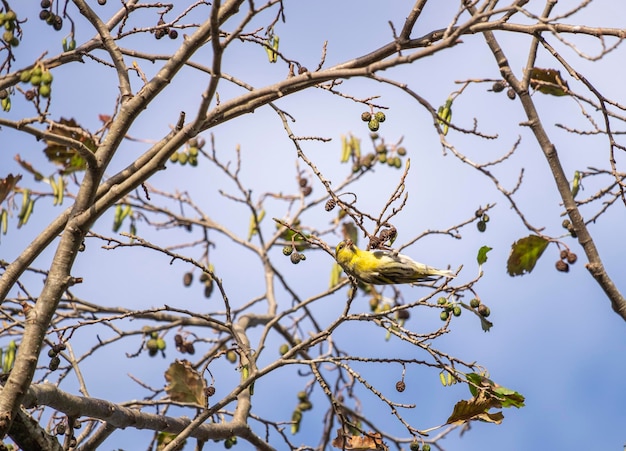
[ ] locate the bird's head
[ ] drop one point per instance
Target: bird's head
(345, 250)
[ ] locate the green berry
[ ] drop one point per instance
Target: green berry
(426, 447)
(174, 157)
(481, 226)
(366, 116)
(380, 116)
(44, 90)
(484, 311)
(231, 356)
(485, 217)
(442, 301)
(25, 76)
(401, 151)
(296, 257)
(373, 125)
(474, 303)
(444, 315)
(456, 311)
(284, 348)
(46, 77)
(152, 345)
(287, 250)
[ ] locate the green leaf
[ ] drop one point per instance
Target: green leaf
(482, 254)
(505, 396)
(524, 254)
(509, 398)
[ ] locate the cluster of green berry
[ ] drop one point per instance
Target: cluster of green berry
(164, 31)
(205, 278)
(481, 225)
(500, 85)
(415, 446)
(373, 121)
(53, 353)
(304, 404)
(566, 258)
(189, 154)
(40, 78)
(390, 154)
(448, 308)
(296, 257)
(9, 20)
(183, 346)
(155, 344)
(48, 16)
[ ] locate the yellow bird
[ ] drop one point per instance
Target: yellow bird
(384, 267)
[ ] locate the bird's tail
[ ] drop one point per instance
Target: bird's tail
(441, 272)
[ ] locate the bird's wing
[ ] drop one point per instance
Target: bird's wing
(403, 268)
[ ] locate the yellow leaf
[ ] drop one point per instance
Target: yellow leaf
(185, 384)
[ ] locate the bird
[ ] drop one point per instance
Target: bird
(383, 267)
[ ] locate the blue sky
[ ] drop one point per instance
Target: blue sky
(555, 338)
